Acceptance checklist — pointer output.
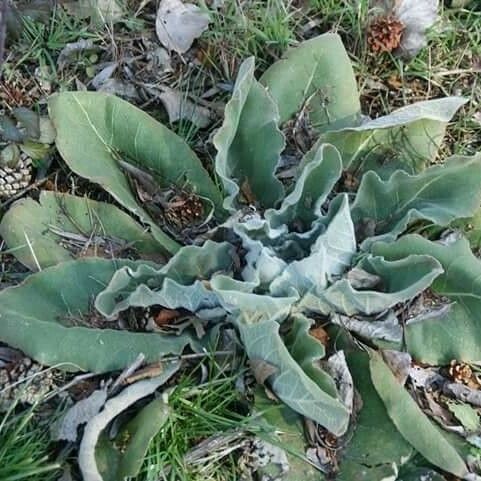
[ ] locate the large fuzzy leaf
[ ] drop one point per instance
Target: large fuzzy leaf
(47, 317)
(307, 351)
(407, 139)
(38, 233)
(314, 184)
(98, 424)
(249, 143)
(123, 456)
(330, 254)
(452, 331)
(411, 421)
(180, 283)
(316, 76)
(440, 194)
(95, 131)
(471, 228)
(290, 383)
(283, 427)
(237, 296)
(400, 280)
(376, 450)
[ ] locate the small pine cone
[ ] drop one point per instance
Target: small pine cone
(24, 381)
(460, 372)
(15, 179)
(384, 34)
(184, 210)
(18, 91)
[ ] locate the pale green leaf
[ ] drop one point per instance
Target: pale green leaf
(96, 131)
(315, 182)
(466, 415)
(316, 77)
(291, 384)
(330, 254)
(123, 456)
(376, 449)
(237, 296)
(451, 330)
(407, 139)
(47, 317)
(40, 233)
(283, 427)
(180, 283)
(401, 280)
(308, 351)
(87, 461)
(249, 143)
(411, 421)
(440, 194)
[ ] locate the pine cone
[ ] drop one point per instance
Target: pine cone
(24, 381)
(17, 91)
(384, 34)
(461, 373)
(184, 210)
(15, 179)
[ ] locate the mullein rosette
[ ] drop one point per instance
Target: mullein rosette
(279, 261)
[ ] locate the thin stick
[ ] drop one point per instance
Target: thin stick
(3, 28)
(153, 370)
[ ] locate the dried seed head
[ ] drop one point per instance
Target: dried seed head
(384, 34)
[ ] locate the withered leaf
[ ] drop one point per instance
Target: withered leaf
(262, 370)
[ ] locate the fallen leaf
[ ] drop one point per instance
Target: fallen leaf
(80, 413)
(262, 370)
(104, 74)
(460, 3)
(71, 49)
(320, 334)
(338, 369)
(361, 279)
(165, 316)
(179, 107)
(417, 16)
(178, 24)
(386, 328)
(463, 393)
(120, 88)
(104, 11)
(77, 8)
(399, 363)
(466, 415)
(247, 192)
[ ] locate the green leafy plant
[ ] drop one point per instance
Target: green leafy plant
(336, 249)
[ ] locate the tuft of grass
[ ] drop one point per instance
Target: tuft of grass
(41, 42)
(263, 28)
(25, 449)
(198, 411)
